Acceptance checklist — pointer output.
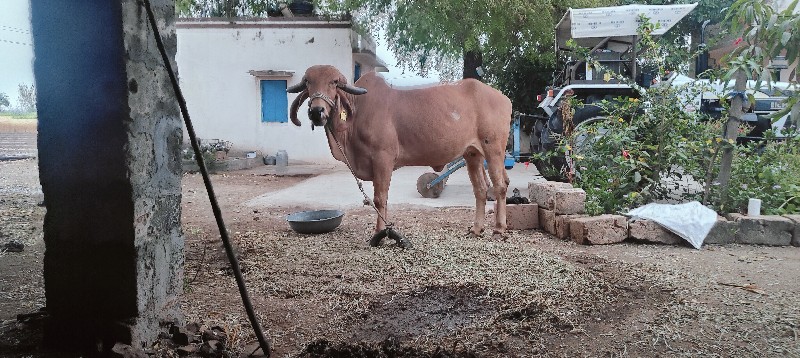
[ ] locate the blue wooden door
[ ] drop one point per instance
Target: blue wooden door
(274, 103)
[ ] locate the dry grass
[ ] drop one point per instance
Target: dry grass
(457, 296)
(476, 297)
(9, 124)
(517, 290)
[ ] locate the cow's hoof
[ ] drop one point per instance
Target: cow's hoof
(499, 236)
(375, 241)
(401, 241)
(472, 232)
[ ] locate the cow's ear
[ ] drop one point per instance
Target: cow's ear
(346, 105)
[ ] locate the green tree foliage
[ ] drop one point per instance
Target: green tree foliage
(764, 33)
(4, 102)
(223, 8)
(520, 78)
(505, 32)
(511, 40)
(27, 98)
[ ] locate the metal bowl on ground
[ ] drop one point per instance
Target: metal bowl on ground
(315, 221)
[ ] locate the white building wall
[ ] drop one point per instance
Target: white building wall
(224, 100)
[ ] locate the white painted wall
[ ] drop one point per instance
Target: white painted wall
(224, 100)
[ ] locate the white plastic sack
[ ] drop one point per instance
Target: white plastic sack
(692, 221)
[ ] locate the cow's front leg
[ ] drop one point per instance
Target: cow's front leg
(380, 197)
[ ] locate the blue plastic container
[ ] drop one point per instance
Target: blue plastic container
(510, 161)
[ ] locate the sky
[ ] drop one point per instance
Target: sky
(396, 75)
(16, 52)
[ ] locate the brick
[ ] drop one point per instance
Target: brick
(547, 220)
(651, 232)
(770, 230)
(599, 230)
(543, 192)
(522, 216)
(796, 232)
(569, 201)
(723, 232)
(562, 225)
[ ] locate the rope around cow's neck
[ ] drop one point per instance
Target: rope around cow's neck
(358, 181)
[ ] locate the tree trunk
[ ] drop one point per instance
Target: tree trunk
(473, 62)
(230, 8)
(735, 115)
(693, 65)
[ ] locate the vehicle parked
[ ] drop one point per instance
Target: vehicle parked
(609, 35)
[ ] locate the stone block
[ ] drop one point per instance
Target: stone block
(651, 232)
(522, 216)
(569, 201)
(562, 225)
(547, 220)
(599, 230)
(770, 230)
(543, 192)
(796, 232)
(723, 232)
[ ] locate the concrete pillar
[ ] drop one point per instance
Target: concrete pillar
(109, 163)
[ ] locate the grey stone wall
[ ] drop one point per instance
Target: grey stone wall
(109, 136)
(153, 158)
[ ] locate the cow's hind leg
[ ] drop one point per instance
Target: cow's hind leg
(497, 172)
(479, 186)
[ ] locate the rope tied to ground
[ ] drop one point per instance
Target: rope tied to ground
(389, 230)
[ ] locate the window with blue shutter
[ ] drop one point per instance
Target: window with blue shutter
(274, 102)
(356, 72)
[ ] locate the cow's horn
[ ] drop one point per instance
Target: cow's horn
(352, 89)
(297, 88)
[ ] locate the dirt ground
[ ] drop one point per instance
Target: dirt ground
(331, 295)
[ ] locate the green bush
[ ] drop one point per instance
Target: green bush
(770, 172)
(655, 149)
(636, 156)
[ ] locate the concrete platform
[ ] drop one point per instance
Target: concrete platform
(334, 187)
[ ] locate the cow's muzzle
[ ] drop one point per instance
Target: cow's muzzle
(317, 116)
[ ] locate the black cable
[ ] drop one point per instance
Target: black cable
(237, 273)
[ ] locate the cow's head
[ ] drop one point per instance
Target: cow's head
(325, 87)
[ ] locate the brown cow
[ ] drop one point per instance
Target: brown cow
(382, 129)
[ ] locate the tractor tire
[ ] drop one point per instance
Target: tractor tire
(555, 167)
